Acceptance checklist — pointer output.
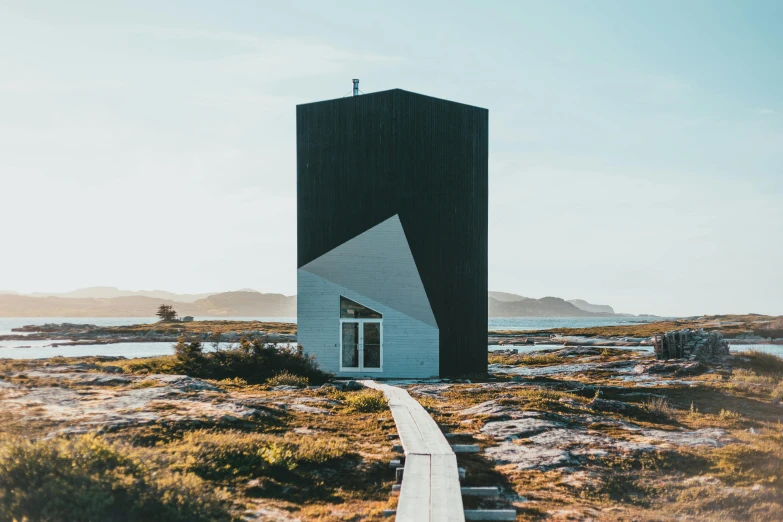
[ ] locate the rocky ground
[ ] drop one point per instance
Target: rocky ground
(603, 434)
(219, 430)
(578, 433)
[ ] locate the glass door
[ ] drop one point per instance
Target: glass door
(361, 347)
(361, 337)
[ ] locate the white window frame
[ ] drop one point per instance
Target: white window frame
(360, 368)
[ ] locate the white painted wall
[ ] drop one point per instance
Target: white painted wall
(410, 346)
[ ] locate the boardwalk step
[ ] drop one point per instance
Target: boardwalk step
(389, 512)
(480, 491)
(461, 472)
(396, 463)
(431, 474)
(490, 514)
(397, 448)
(398, 475)
(465, 448)
(458, 434)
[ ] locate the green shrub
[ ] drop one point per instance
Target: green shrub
(253, 361)
(288, 379)
(88, 479)
(367, 401)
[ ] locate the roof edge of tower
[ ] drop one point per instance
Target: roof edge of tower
(347, 99)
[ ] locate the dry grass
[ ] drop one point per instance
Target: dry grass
(288, 379)
(527, 360)
(659, 406)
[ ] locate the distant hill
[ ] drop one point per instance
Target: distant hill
(227, 304)
(589, 307)
(248, 304)
(504, 304)
(544, 307)
(109, 292)
(506, 297)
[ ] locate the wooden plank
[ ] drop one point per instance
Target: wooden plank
(480, 491)
(490, 514)
(465, 448)
(410, 436)
(446, 494)
(414, 504)
(430, 432)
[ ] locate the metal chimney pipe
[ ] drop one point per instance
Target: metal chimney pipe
(356, 86)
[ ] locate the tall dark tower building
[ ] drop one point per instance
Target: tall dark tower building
(392, 235)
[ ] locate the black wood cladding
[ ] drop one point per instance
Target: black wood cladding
(363, 159)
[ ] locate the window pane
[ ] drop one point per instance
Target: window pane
(353, 310)
(372, 345)
(350, 355)
(372, 333)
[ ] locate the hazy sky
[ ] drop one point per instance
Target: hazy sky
(636, 148)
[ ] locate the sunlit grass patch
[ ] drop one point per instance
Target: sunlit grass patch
(522, 359)
(223, 455)
(758, 462)
(729, 415)
(367, 401)
(147, 365)
(286, 378)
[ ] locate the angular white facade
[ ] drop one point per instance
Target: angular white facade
(376, 270)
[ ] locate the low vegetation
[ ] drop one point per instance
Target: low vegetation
(254, 361)
(305, 453)
(367, 401)
(528, 360)
(729, 325)
(285, 378)
(88, 478)
(659, 406)
(225, 456)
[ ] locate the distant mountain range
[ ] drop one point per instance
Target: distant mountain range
(225, 304)
(109, 292)
(503, 304)
(113, 302)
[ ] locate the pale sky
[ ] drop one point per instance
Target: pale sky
(636, 148)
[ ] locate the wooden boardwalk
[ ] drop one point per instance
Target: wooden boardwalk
(430, 487)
